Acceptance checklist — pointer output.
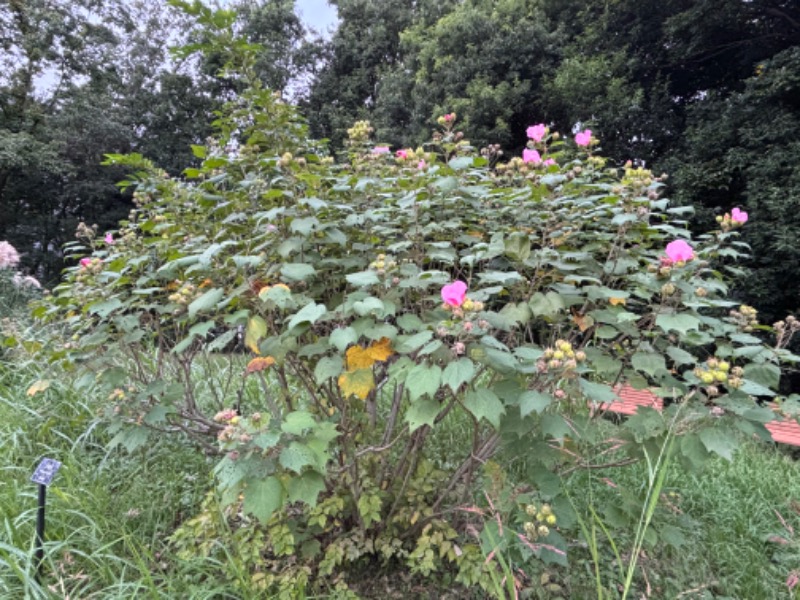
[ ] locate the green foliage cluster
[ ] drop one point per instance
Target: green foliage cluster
(333, 276)
(662, 82)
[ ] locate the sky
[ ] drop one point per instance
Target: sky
(318, 14)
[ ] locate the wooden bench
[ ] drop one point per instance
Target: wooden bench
(783, 431)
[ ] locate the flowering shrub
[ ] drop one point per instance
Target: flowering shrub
(16, 289)
(346, 287)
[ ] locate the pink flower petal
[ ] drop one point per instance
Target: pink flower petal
(455, 293)
(531, 156)
(536, 132)
(679, 250)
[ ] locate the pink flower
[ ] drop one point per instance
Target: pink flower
(85, 262)
(583, 138)
(533, 156)
(421, 164)
(380, 150)
(679, 250)
(9, 257)
(536, 132)
(549, 162)
(109, 239)
(401, 154)
(455, 293)
(450, 117)
(738, 216)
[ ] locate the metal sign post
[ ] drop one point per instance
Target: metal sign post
(43, 476)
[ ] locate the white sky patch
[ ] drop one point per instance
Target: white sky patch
(319, 15)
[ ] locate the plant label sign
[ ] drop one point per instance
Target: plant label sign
(45, 471)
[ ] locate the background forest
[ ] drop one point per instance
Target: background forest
(707, 91)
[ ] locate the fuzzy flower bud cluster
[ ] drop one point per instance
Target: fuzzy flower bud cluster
(561, 356)
(745, 318)
(184, 295)
(447, 120)
(383, 264)
(542, 519)
(784, 330)
(360, 132)
(736, 218)
(716, 371)
(89, 266)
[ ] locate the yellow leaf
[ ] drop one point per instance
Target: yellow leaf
(259, 364)
(364, 358)
(381, 350)
(358, 382)
(616, 301)
(39, 386)
(256, 329)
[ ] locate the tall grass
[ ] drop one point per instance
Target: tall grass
(108, 515)
(713, 528)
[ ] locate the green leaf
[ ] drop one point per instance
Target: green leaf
(546, 305)
(645, 424)
(423, 380)
(555, 426)
(518, 246)
(295, 456)
(297, 422)
(297, 271)
(755, 389)
(422, 412)
(649, 362)
(223, 340)
(105, 308)
(343, 337)
(483, 403)
(457, 373)
(532, 400)
(206, 302)
(680, 356)
(719, 442)
(262, 497)
(460, 163)
(680, 322)
(597, 392)
(370, 305)
(765, 374)
(306, 488)
(310, 313)
(363, 278)
(408, 343)
(327, 367)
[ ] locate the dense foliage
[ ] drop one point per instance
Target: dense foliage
(394, 300)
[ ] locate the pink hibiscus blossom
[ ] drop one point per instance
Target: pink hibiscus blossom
(401, 154)
(109, 239)
(455, 293)
(679, 251)
(529, 156)
(85, 262)
(536, 132)
(738, 216)
(583, 138)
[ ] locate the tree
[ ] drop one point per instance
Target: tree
(742, 150)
